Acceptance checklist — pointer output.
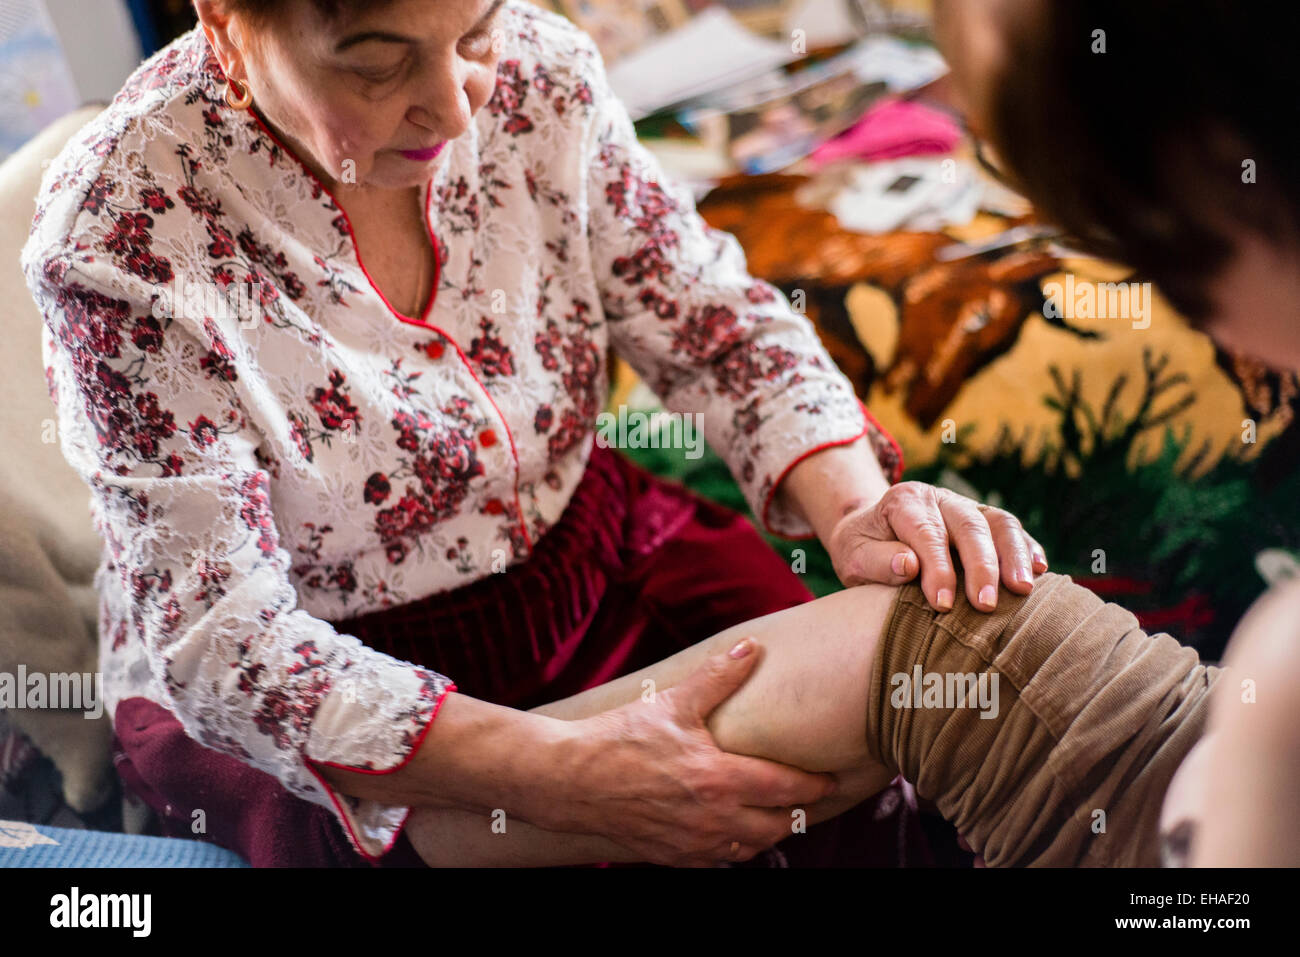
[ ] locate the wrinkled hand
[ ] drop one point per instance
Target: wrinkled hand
(914, 522)
(651, 778)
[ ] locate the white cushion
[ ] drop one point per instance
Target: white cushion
(48, 545)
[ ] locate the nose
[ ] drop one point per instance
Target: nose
(445, 109)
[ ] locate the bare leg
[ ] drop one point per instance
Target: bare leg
(805, 704)
(1102, 725)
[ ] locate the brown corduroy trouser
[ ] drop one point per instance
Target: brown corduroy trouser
(1046, 731)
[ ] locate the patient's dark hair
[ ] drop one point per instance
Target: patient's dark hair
(1138, 151)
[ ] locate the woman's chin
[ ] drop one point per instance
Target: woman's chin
(392, 170)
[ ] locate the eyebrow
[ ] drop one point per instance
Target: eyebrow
(386, 37)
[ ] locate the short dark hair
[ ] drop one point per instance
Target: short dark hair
(1140, 151)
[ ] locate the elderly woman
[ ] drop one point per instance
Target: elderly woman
(329, 291)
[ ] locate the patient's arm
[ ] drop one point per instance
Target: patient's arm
(805, 704)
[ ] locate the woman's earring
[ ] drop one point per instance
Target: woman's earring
(238, 101)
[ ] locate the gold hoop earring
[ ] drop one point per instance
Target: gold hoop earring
(242, 100)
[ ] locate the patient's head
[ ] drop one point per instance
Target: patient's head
(1161, 133)
(354, 83)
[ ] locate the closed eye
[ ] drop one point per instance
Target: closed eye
(374, 76)
(381, 73)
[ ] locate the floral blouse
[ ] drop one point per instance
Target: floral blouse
(271, 447)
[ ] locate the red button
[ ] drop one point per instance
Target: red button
(434, 350)
(488, 438)
(494, 507)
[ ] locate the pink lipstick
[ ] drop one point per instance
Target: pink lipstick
(424, 155)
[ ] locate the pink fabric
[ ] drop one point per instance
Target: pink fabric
(891, 129)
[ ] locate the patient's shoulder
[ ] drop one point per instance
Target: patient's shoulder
(1251, 783)
(1267, 641)
(1258, 701)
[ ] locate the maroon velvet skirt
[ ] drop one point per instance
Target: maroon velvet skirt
(636, 569)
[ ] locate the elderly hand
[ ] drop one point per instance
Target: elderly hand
(651, 778)
(913, 521)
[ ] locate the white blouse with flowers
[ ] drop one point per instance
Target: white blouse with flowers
(258, 472)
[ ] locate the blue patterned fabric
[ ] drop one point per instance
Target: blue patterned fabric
(39, 845)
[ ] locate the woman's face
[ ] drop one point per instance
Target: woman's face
(365, 97)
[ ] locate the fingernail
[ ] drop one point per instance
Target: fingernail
(1041, 559)
(1024, 575)
(988, 596)
(943, 600)
(899, 564)
(741, 648)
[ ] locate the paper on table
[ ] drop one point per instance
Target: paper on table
(917, 194)
(903, 66)
(710, 52)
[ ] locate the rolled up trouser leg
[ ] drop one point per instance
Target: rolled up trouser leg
(1046, 731)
